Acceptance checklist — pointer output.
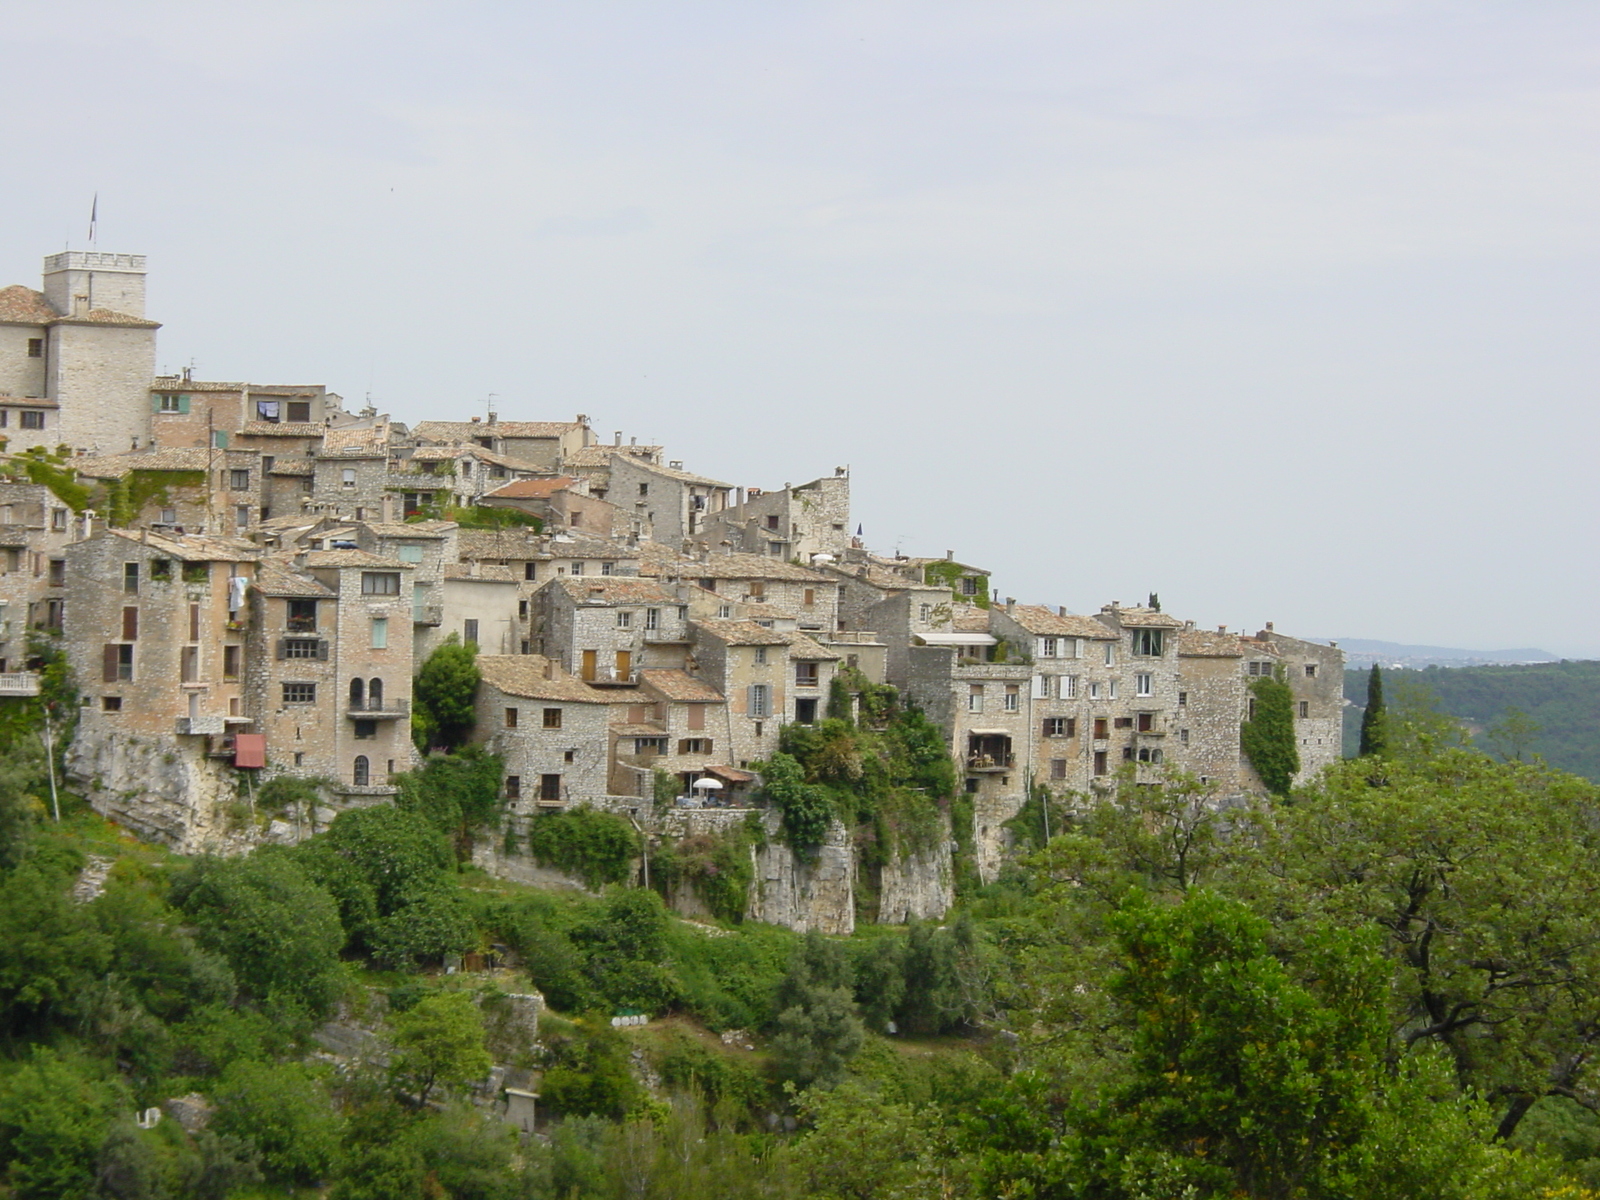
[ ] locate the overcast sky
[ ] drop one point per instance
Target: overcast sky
(1285, 310)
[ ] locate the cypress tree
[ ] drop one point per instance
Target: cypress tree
(1268, 738)
(1374, 721)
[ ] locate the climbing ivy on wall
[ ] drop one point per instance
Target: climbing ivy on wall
(1268, 738)
(47, 468)
(949, 574)
(126, 498)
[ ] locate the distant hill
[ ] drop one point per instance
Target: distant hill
(1363, 652)
(1563, 698)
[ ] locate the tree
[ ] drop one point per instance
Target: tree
(443, 692)
(439, 1042)
(55, 1113)
(817, 1031)
(283, 1111)
(50, 950)
(22, 796)
(277, 928)
(1268, 737)
(1484, 878)
(1374, 720)
(803, 806)
(1513, 735)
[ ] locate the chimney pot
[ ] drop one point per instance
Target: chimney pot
(949, 556)
(1222, 629)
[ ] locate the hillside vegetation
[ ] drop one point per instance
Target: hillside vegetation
(1166, 998)
(1559, 701)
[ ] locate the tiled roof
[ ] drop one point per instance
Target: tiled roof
(293, 466)
(524, 675)
(484, 573)
(356, 440)
(522, 543)
(741, 566)
(354, 558)
(429, 529)
(275, 579)
(532, 489)
(682, 687)
(801, 646)
(435, 431)
(681, 476)
(170, 458)
(923, 563)
(1037, 619)
(177, 383)
(615, 589)
(1142, 618)
(970, 619)
(600, 456)
(437, 453)
(743, 633)
(294, 429)
(504, 460)
(23, 306)
(192, 547)
(1203, 643)
(104, 316)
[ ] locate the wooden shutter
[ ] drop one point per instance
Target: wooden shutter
(130, 624)
(108, 663)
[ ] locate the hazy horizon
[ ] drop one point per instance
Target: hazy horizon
(1282, 312)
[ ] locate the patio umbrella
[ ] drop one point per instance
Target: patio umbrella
(710, 785)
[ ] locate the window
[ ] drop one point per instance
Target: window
(758, 589)
(469, 632)
(58, 518)
(1101, 766)
(130, 624)
(805, 674)
(725, 611)
(130, 578)
(530, 571)
(35, 347)
(5, 419)
(549, 787)
(1069, 687)
(694, 746)
(577, 568)
(760, 702)
(171, 402)
(302, 616)
(161, 570)
(652, 618)
(347, 477)
(1058, 727)
(924, 613)
(1111, 653)
(1150, 755)
(58, 572)
(650, 745)
(513, 787)
(1111, 690)
(1147, 722)
(380, 583)
(302, 648)
(975, 697)
(1013, 697)
(1058, 768)
(1094, 691)
(1122, 723)
(111, 703)
(809, 600)
(197, 572)
(366, 729)
(805, 711)
(552, 718)
(1183, 699)
(299, 693)
(169, 516)
(1183, 736)
(380, 633)
(409, 554)
(1305, 709)
(1102, 729)
(118, 663)
(605, 567)
(624, 619)
(644, 489)
(969, 586)
(239, 481)
(760, 657)
(299, 411)
(772, 521)
(775, 549)
(1311, 670)
(1147, 643)
(32, 418)
(1047, 647)
(511, 718)
(230, 662)
(1259, 669)
(1144, 685)
(362, 771)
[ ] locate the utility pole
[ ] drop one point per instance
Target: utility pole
(50, 758)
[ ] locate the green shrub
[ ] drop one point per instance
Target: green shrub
(597, 847)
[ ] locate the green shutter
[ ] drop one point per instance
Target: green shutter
(155, 403)
(183, 404)
(220, 437)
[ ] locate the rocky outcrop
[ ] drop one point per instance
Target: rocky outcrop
(918, 887)
(815, 893)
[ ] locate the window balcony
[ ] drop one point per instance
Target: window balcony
(427, 614)
(383, 710)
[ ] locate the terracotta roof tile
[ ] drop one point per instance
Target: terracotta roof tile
(680, 686)
(742, 633)
(524, 675)
(435, 431)
(484, 573)
(275, 579)
(23, 306)
(600, 456)
(1037, 619)
(533, 489)
(615, 589)
(739, 566)
(1142, 618)
(354, 558)
(1204, 643)
(294, 429)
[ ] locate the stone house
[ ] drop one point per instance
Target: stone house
(284, 417)
(480, 606)
(1142, 682)
(769, 676)
(674, 723)
(432, 549)
(551, 731)
(332, 668)
(672, 504)
(593, 463)
(76, 359)
(607, 628)
(563, 502)
(1211, 704)
(35, 527)
(544, 445)
(350, 474)
(1315, 675)
(794, 522)
(809, 598)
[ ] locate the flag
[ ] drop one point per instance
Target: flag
(94, 215)
(858, 531)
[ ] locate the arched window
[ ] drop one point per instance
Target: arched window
(355, 693)
(375, 694)
(361, 772)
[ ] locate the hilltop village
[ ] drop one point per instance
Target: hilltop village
(245, 579)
